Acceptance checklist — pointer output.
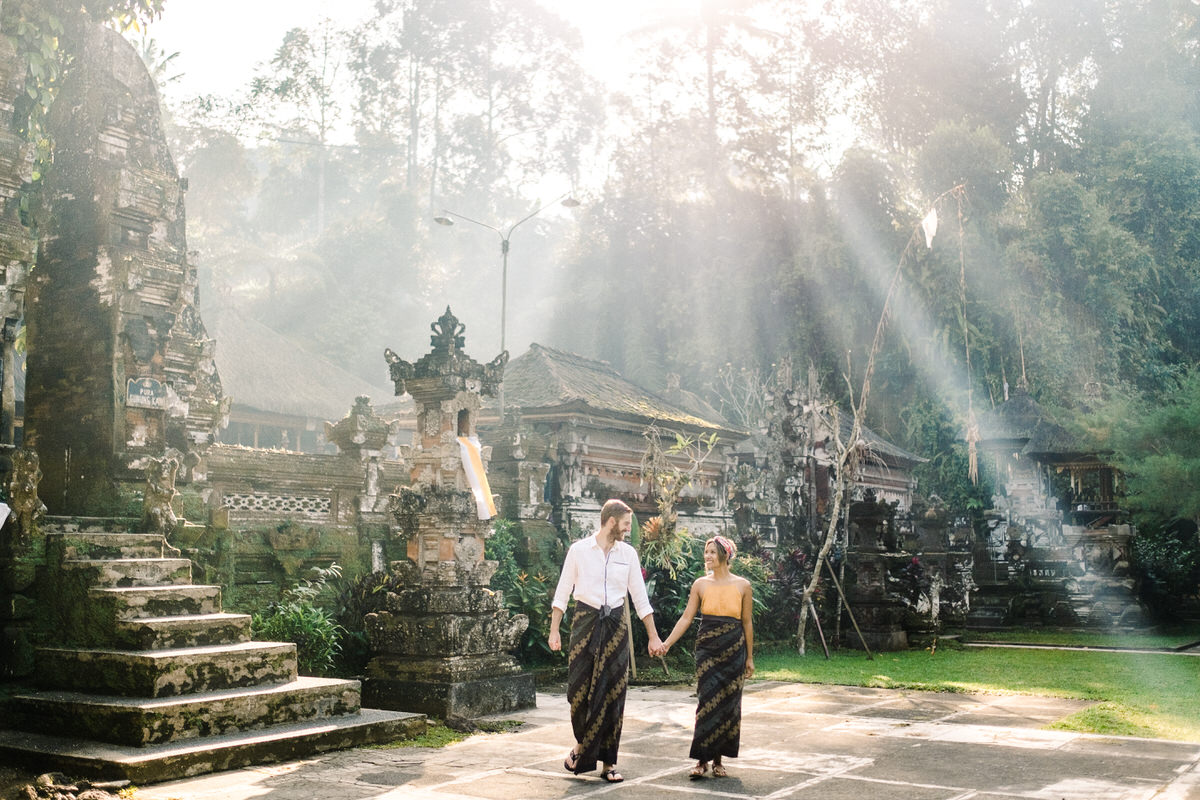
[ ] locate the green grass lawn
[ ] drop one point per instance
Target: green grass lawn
(1165, 637)
(1138, 694)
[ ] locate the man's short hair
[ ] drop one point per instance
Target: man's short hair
(613, 508)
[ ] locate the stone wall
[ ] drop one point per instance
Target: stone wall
(273, 515)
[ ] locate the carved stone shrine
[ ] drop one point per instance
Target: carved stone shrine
(442, 645)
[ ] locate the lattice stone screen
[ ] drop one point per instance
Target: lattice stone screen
(265, 503)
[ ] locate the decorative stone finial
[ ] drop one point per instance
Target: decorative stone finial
(361, 432)
(446, 368)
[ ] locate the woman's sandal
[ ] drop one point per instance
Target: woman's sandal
(719, 771)
(571, 761)
(699, 770)
(612, 776)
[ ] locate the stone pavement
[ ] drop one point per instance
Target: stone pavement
(799, 741)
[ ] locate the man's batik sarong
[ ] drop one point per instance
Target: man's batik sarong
(720, 673)
(597, 677)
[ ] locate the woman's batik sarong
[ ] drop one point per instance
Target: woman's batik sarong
(720, 673)
(597, 677)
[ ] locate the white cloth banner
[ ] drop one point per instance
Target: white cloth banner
(929, 226)
(472, 462)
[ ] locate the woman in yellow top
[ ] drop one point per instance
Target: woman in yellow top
(724, 655)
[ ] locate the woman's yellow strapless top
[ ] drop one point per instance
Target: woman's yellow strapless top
(722, 600)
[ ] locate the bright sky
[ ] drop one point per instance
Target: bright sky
(221, 41)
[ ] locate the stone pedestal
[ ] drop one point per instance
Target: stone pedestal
(449, 687)
(441, 644)
(878, 618)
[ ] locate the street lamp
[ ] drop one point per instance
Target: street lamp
(565, 200)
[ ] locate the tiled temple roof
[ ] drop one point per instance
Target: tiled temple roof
(547, 379)
(263, 369)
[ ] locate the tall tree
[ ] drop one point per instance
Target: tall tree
(298, 94)
(1058, 44)
(491, 93)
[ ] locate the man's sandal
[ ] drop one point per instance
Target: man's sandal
(719, 771)
(571, 761)
(699, 770)
(612, 776)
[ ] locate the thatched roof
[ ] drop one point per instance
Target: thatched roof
(1021, 422)
(1013, 420)
(546, 379)
(262, 369)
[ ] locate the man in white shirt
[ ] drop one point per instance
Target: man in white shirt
(599, 570)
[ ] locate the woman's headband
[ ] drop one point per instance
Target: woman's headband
(729, 547)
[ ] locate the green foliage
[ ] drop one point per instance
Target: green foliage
(1167, 562)
(436, 734)
(663, 547)
(524, 593)
(1155, 440)
(46, 35)
(365, 595)
(297, 618)
(1161, 637)
(790, 573)
(501, 547)
(930, 430)
(668, 585)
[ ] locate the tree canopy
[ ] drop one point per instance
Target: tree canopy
(748, 191)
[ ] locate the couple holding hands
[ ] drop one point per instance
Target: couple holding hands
(598, 571)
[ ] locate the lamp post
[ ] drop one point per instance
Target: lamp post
(445, 219)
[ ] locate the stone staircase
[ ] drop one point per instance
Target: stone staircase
(155, 682)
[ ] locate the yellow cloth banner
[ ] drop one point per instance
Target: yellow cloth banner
(472, 463)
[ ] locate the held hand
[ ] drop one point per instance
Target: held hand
(656, 647)
(554, 641)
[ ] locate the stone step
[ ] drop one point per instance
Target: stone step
(138, 602)
(190, 630)
(58, 524)
(164, 762)
(139, 722)
(166, 673)
(130, 571)
(76, 546)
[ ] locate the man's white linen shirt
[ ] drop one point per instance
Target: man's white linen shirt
(600, 580)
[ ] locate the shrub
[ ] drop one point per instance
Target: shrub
(365, 595)
(524, 593)
(298, 619)
(1167, 563)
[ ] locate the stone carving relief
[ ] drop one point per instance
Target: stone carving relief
(27, 507)
(157, 514)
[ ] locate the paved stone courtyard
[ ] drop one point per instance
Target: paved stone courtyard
(799, 741)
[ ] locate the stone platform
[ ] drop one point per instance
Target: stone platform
(799, 742)
(150, 680)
